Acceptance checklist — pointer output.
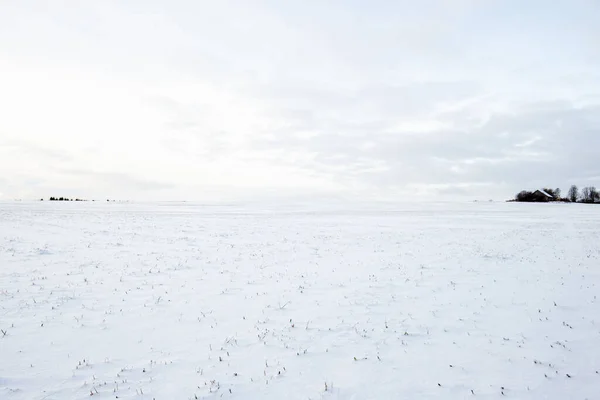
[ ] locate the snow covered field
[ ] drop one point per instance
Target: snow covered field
(183, 301)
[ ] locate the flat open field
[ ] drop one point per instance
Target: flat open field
(184, 301)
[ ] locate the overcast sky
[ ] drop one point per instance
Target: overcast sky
(205, 100)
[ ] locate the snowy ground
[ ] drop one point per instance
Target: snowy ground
(180, 301)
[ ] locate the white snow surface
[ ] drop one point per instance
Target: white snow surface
(185, 301)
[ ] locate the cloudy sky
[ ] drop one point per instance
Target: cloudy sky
(205, 100)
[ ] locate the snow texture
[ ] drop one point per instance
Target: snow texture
(185, 301)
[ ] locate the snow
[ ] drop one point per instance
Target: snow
(185, 301)
(545, 193)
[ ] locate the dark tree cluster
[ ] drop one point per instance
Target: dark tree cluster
(63, 199)
(586, 195)
(538, 196)
(589, 195)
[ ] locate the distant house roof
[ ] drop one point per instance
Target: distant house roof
(545, 193)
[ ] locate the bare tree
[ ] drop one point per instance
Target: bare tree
(573, 193)
(586, 194)
(557, 193)
(594, 195)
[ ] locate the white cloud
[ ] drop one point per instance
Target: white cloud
(228, 100)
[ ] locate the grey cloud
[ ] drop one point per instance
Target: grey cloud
(565, 148)
(391, 95)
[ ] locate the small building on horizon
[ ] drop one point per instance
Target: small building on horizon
(542, 196)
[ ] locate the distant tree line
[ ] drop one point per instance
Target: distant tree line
(63, 199)
(588, 194)
(68, 199)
